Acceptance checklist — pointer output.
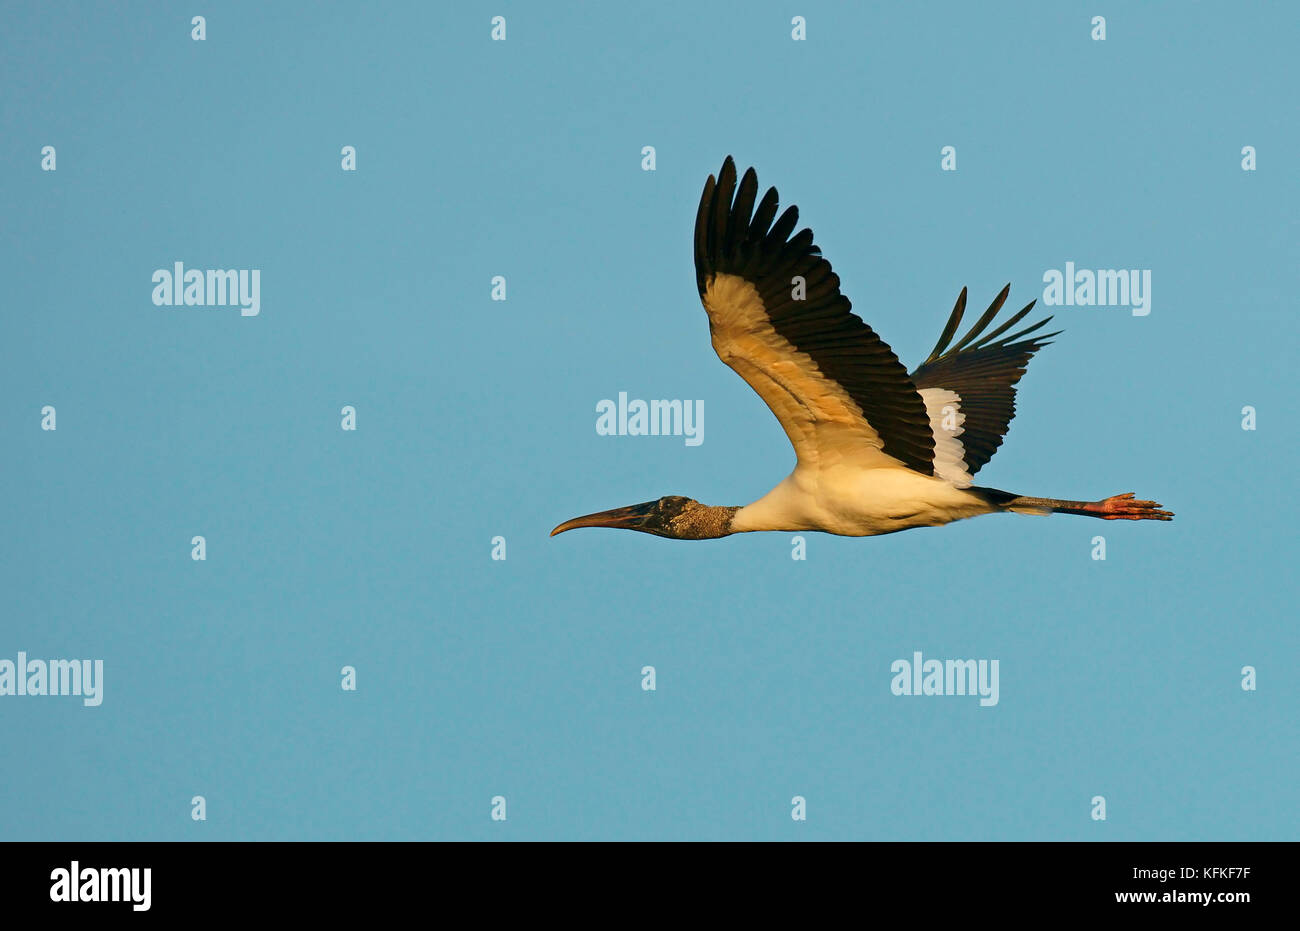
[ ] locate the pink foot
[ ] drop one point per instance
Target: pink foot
(1125, 507)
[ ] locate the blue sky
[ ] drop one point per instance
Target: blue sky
(521, 678)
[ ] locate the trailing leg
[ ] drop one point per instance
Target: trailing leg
(1116, 507)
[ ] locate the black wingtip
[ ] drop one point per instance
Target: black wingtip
(954, 321)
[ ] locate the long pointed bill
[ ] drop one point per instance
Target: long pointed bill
(632, 517)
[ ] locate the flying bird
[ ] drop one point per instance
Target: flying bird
(878, 450)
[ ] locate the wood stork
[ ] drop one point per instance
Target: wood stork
(878, 450)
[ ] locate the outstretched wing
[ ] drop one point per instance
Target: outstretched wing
(778, 318)
(970, 388)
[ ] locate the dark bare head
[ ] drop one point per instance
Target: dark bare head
(672, 516)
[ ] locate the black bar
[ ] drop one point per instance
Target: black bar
(211, 880)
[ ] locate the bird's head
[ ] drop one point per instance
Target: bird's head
(672, 516)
